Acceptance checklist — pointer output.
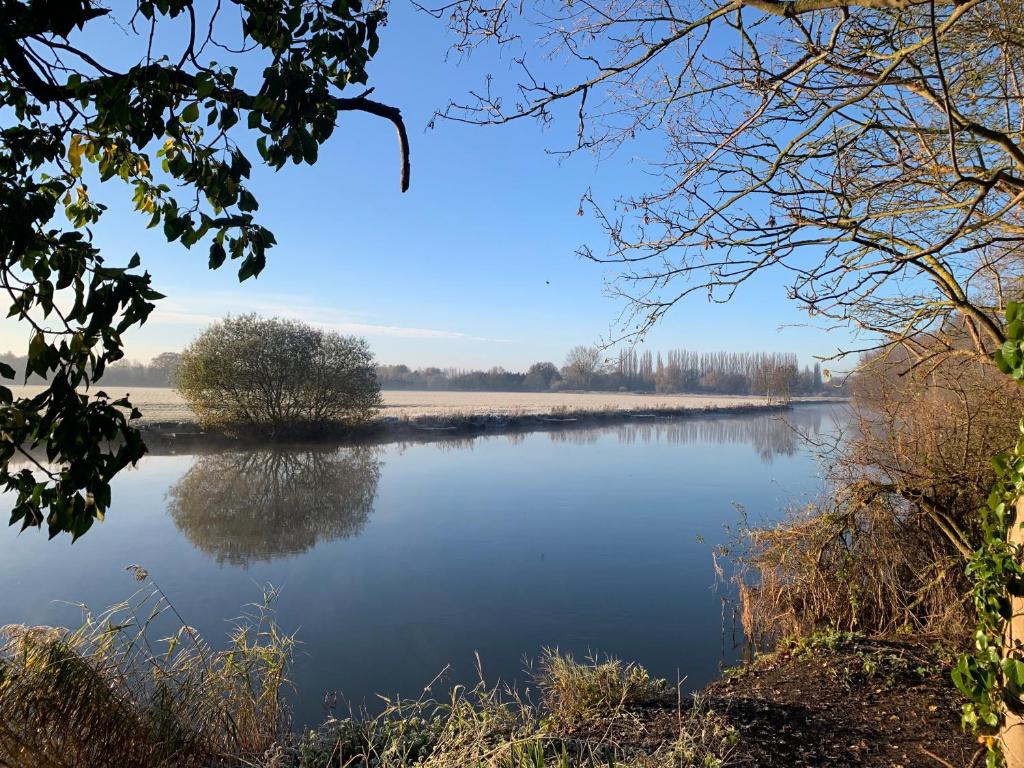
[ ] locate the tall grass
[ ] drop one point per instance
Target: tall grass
(119, 691)
(112, 694)
(595, 689)
(589, 715)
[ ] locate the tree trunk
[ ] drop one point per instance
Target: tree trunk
(1012, 734)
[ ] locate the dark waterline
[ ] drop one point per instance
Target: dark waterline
(397, 560)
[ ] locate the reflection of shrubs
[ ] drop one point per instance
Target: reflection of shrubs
(277, 377)
(242, 506)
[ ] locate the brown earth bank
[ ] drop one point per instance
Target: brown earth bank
(837, 701)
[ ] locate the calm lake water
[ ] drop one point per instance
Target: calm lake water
(396, 560)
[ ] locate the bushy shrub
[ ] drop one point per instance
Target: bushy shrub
(277, 377)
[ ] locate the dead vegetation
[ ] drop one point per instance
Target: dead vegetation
(592, 713)
(885, 551)
(118, 692)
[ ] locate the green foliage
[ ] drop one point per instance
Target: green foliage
(1010, 357)
(395, 738)
(277, 377)
(825, 640)
(170, 128)
(992, 676)
(852, 656)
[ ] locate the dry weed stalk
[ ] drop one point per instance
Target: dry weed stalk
(108, 694)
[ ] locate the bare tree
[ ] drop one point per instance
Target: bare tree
(581, 365)
(868, 149)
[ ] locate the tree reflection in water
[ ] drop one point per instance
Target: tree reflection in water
(769, 435)
(257, 505)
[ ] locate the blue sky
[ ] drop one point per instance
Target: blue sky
(475, 266)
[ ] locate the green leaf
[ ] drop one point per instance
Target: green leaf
(217, 255)
(1014, 670)
(204, 85)
(1010, 353)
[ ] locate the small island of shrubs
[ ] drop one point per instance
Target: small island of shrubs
(279, 378)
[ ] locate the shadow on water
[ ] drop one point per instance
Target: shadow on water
(248, 506)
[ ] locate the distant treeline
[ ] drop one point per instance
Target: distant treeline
(586, 368)
(680, 370)
(124, 373)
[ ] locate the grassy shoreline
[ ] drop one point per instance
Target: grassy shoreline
(110, 693)
(439, 427)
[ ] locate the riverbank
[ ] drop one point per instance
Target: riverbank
(843, 701)
(165, 405)
(426, 416)
(834, 700)
(440, 426)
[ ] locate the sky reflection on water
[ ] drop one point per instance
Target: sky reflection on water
(395, 560)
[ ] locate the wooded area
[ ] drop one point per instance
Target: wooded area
(632, 370)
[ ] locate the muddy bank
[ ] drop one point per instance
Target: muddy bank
(846, 703)
(865, 703)
(171, 434)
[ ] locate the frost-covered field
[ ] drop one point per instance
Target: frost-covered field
(412, 404)
(156, 403)
(159, 404)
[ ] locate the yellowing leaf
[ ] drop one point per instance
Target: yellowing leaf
(75, 154)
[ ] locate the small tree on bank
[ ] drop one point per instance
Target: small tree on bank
(277, 377)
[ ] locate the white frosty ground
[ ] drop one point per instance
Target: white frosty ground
(160, 404)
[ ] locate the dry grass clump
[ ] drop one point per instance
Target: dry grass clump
(487, 727)
(853, 568)
(589, 714)
(576, 692)
(108, 694)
